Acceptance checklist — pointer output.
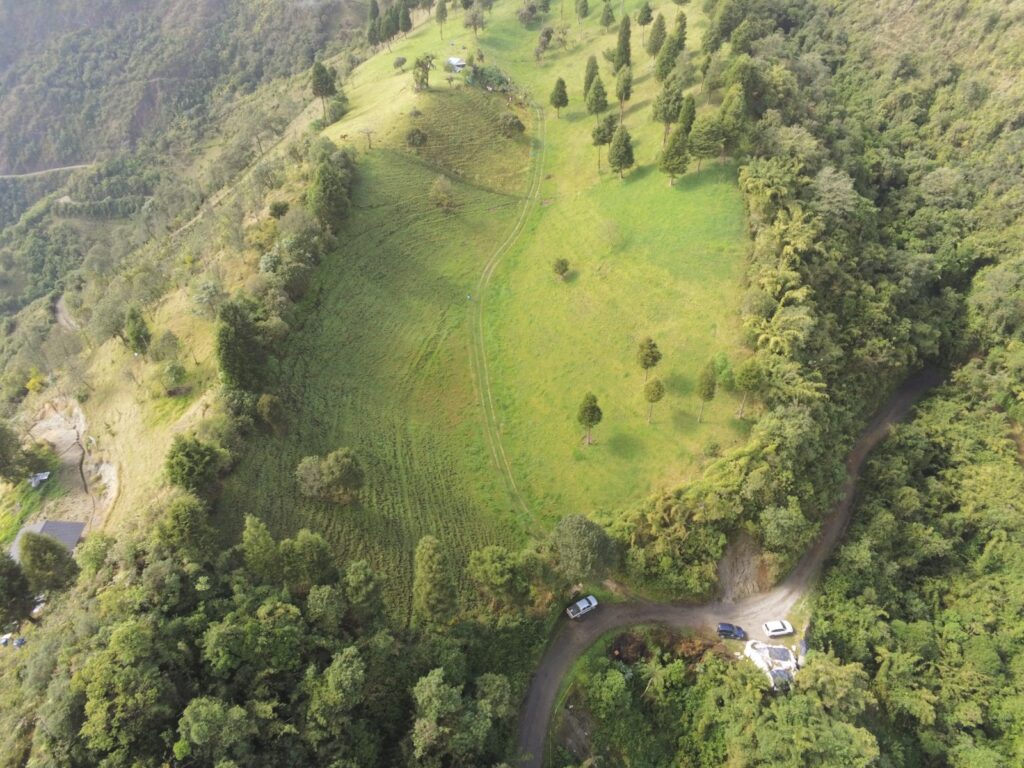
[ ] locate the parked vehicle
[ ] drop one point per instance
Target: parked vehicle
(731, 632)
(779, 628)
(580, 607)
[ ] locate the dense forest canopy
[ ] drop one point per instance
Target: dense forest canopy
(79, 80)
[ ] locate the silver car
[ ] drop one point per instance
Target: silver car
(778, 628)
(580, 607)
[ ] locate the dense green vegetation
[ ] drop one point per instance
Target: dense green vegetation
(364, 531)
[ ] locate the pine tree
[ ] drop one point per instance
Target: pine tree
(623, 88)
(681, 30)
(441, 15)
(687, 113)
(582, 11)
(404, 20)
(657, 36)
(607, 16)
(589, 415)
(589, 75)
(620, 153)
(323, 85)
(705, 138)
(676, 157)
(644, 17)
(559, 97)
(648, 355)
(602, 134)
(667, 106)
(433, 593)
(623, 52)
(597, 98)
(374, 13)
(654, 391)
(668, 57)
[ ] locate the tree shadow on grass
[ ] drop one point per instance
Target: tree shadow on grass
(677, 384)
(638, 174)
(624, 445)
(684, 421)
(709, 174)
(571, 276)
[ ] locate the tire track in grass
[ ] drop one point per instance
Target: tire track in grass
(478, 341)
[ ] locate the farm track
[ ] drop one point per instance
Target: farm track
(573, 638)
(45, 171)
(478, 341)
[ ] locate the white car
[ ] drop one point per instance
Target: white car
(580, 607)
(778, 628)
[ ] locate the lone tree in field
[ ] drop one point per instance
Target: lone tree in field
(338, 476)
(561, 268)
(597, 97)
(602, 135)
(654, 390)
(441, 16)
(749, 381)
(707, 384)
(705, 138)
(46, 562)
(607, 16)
(135, 332)
(589, 415)
(590, 75)
(657, 37)
(433, 593)
(648, 355)
(623, 52)
(559, 97)
(421, 71)
(623, 88)
(16, 597)
(644, 17)
(676, 157)
(323, 85)
(582, 11)
(620, 153)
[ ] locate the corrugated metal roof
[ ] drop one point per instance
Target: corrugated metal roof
(66, 532)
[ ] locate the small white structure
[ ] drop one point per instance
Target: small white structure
(456, 64)
(38, 479)
(776, 661)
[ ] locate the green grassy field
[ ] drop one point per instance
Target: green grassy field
(380, 361)
(388, 356)
(645, 259)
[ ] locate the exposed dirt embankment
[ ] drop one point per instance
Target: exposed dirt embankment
(91, 481)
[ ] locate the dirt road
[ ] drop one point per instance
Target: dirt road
(573, 638)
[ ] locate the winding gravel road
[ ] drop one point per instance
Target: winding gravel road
(574, 637)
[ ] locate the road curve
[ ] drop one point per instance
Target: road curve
(573, 638)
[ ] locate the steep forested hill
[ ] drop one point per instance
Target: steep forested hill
(79, 79)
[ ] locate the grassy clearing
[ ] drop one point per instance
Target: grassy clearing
(380, 358)
(645, 260)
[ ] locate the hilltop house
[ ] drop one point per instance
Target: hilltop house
(67, 532)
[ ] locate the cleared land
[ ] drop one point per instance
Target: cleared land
(381, 360)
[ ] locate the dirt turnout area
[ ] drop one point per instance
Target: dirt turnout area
(90, 480)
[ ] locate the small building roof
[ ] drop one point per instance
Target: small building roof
(67, 532)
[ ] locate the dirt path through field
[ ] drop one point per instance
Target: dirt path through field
(573, 638)
(478, 341)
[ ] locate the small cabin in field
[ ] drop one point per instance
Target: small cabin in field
(66, 532)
